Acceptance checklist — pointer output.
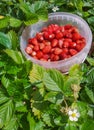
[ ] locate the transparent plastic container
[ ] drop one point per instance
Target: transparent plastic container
(60, 18)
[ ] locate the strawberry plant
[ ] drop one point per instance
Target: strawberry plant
(35, 98)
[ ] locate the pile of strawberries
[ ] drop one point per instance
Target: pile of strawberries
(54, 43)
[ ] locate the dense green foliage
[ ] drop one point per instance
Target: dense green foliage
(31, 97)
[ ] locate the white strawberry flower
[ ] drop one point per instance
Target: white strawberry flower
(55, 8)
(73, 115)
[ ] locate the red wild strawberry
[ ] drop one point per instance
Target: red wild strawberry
(57, 51)
(54, 42)
(40, 37)
(68, 35)
(65, 50)
(62, 28)
(68, 39)
(41, 46)
(55, 58)
(30, 41)
(39, 54)
(63, 55)
(47, 43)
(65, 44)
(78, 47)
(46, 35)
(60, 42)
(83, 45)
(51, 36)
(76, 36)
(33, 53)
(74, 30)
(72, 44)
(52, 57)
(59, 35)
(47, 49)
(28, 50)
(67, 26)
(46, 56)
(55, 27)
(34, 41)
(36, 48)
(73, 52)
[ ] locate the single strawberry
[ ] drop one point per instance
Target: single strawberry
(40, 37)
(73, 52)
(34, 41)
(76, 36)
(72, 44)
(47, 49)
(59, 35)
(57, 51)
(39, 54)
(28, 50)
(54, 43)
(65, 44)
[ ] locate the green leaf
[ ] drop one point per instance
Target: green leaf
(21, 106)
(15, 22)
(90, 94)
(4, 22)
(38, 5)
(26, 9)
(82, 108)
(90, 76)
(67, 88)
(12, 124)
(33, 18)
(91, 11)
(75, 71)
(90, 61)
(47, 119)
(53, 80)
(90, 20)
(31, 121)
(14, 39)
(15, 55)
(42, 14)
(33, 124)
(6, 112)
(5, 81)
(74, 78)
(39, 126)
(5, 41)
(36, 74)
(71, 127)
(88, 125)
(54, 97)
(13, 70)
(27, 66)
(51, 96)
(3, 98)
